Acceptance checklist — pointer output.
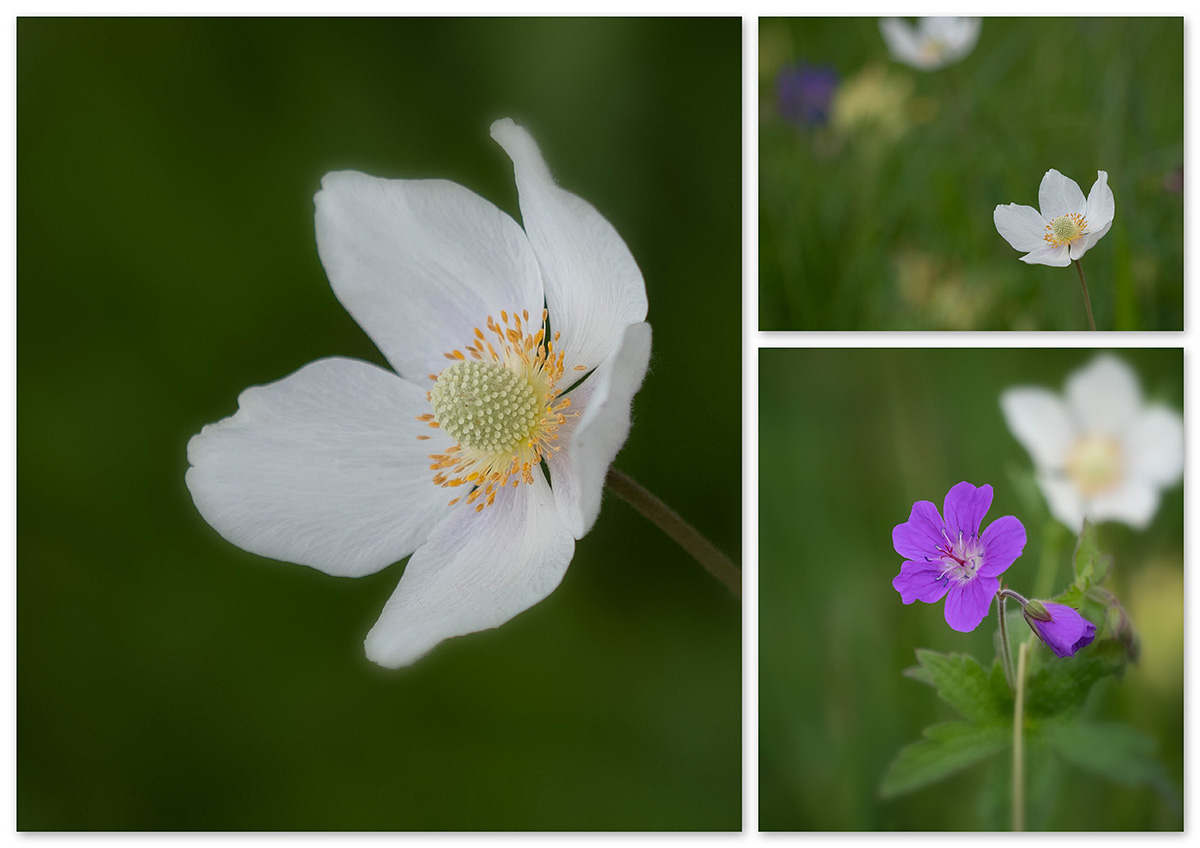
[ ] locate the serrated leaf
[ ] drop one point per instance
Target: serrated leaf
(961, 682)
(946, 749)
(1117, 752)
(1087, 555)
(1062, 684)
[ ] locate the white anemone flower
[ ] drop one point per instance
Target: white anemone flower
(933, 43)
(348, 467)
(1067, 225)
(1098, 450)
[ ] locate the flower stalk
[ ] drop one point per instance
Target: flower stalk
(685, 535)
(1087, 301)
(1018, 771)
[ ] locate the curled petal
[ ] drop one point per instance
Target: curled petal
(593, 286)
(919, 537)
(921, 581)
(968, 602)
(591, 442)
(477, 571)
(1059, 195)
(1100, 207)
(1003, 541)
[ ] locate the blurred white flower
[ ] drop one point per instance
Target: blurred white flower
(1098, 451)
(1067, 225)
(347, 467)
(932, 43)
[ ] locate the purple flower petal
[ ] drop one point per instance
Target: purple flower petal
(967, 603)
(920, 536)
(1066, 632)
(1003, 541)
(921, 581)
(964, 509)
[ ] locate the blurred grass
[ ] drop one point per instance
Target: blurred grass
(848, 440)
(166, 261)
(861, 233)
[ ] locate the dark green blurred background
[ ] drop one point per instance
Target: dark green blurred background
(848, 441)
(166, 261)
(861, 230)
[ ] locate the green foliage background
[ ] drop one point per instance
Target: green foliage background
(166, 261)
(859, 233)
(848, 440)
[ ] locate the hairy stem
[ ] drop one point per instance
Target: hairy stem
(1087, 301)
(1018, 771)
(1005, 651)
(684, 534)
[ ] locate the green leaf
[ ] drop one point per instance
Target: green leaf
(1062, 684)
(961, 682)
(1118, 752)
(1087, 557)
(947, 748)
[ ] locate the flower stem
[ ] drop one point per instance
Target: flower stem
(1087, 301)
(1005, 651)
(1018, 772)
(684, 534)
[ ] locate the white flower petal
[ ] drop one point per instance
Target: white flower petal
(957, 35)
(1039, 420)
(579, 469)
(1058, 195)
(420, 264)
(593, 286)
(904, 44)
(1154, 446)
(1104, 396)
(1134, 503)
(477, 571)
(1059, 257)
(1063, 499)
(1021, 226)
(322, 468)
(1100, 207)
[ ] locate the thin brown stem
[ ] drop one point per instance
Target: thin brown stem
(1087, 301)
(684, 534)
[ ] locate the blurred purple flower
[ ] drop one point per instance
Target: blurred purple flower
(1063, 629)
(951, 558)
(805, 93)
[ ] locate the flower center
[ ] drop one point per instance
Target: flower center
(1065, 229)
(961, 557)
(1096, 464)
(485, 406)
(500, 403)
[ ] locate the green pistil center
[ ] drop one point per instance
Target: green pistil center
(1065, 228)
(485, 406)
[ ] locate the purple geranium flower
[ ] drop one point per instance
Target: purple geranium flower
(1063, 629)
(952, 558)
(805, 93)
